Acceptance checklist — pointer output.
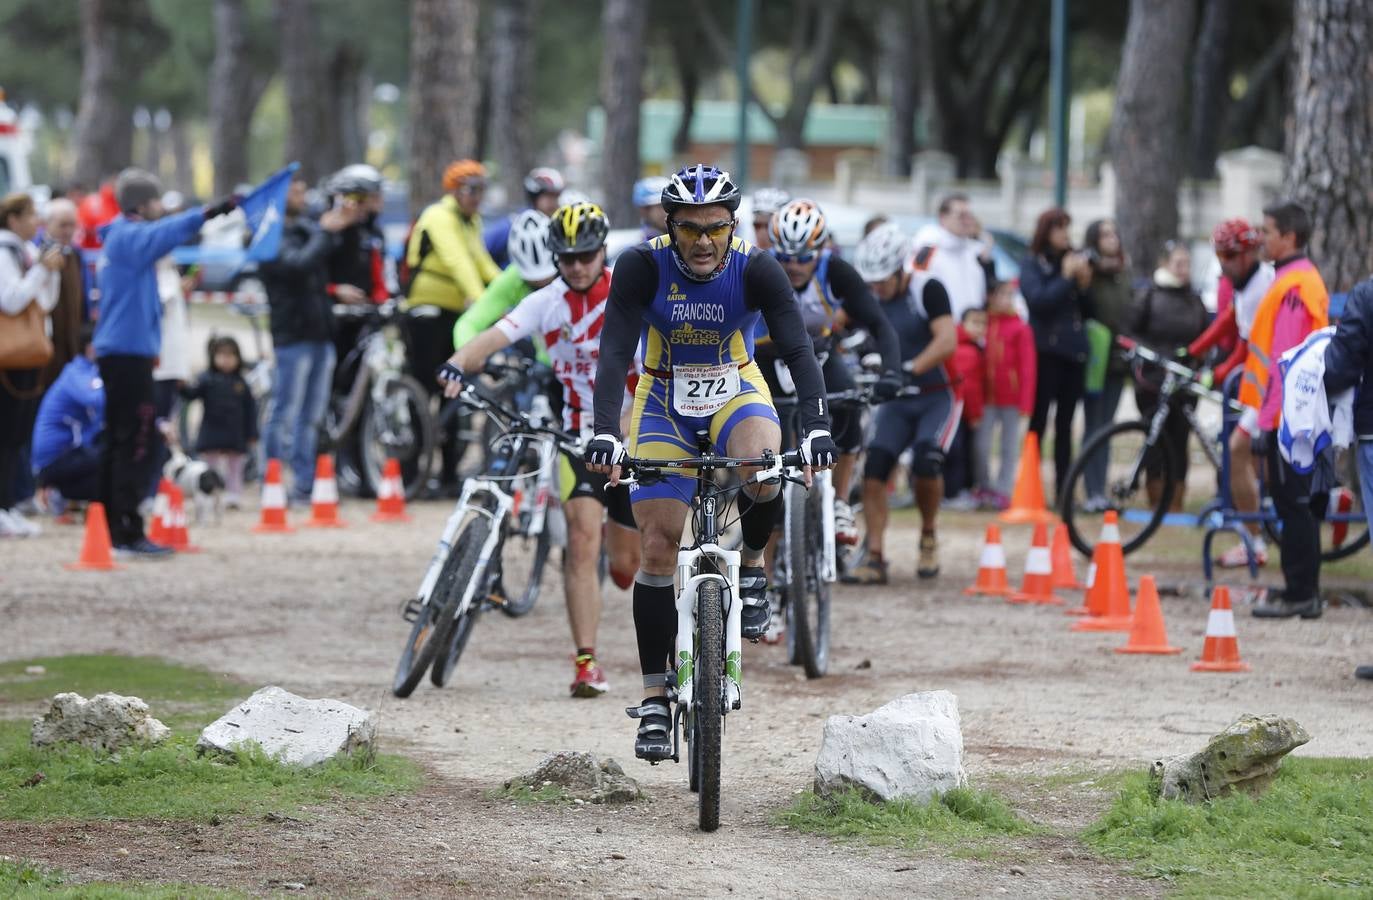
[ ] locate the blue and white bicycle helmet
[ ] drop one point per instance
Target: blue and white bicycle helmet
(528, 246)
(882, 253)
(649, 191)
(701, 185)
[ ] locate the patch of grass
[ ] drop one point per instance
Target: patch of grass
(962, 816)
(172, 781)
(23, 880)
(155, 681)
(1310, 835)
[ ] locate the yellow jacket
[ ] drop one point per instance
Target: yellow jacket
(449, 262)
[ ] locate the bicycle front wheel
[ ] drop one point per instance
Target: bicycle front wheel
(1137, 482)
(465, 572)
(808, 595)
(434, 624)
(708, 703)
(399, 427)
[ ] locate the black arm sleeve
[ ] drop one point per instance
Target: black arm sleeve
(935, 298)
(631, 291)
(861, 305)
(767, 289)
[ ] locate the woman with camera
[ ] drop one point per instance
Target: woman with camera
(1055, 282)
(28, 292)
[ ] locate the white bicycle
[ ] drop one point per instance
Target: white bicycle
(707, 677)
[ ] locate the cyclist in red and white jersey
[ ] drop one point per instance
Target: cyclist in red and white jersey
(568, 314)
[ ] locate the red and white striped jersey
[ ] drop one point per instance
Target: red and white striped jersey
(570, 323)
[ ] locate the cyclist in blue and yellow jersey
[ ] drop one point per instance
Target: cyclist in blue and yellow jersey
(691, 299)
(833, 297)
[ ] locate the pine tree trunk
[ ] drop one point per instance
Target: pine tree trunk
(183, 179)
(686, 60)
(622, 71)
(1210, 86)
(1147, 133)
(104, 121)
(443, 92)
(896, 40)
(299, 35)
(231, 96)
(1329, 168)
(510, 115)
(341, 89)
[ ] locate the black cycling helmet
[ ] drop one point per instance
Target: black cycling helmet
(358, 178)
(701, 185)
(578, 228)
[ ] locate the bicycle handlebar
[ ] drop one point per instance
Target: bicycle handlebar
(512, 419)
(770, 465)
(1135, 350)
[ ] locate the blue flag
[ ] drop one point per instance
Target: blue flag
(265, 208)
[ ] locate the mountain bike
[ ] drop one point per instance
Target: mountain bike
(707, 676)
(1139, 451)
(470, 572)
(377, 412)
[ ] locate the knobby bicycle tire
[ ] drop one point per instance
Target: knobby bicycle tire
(1078, 521)
(430, 629)
(1349, 478)
(708, 703)
(807, 593)
(520, 598)
(459, 624)
(417, 463)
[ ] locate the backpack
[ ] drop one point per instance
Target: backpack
(404, 273)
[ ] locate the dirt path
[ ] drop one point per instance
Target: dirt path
(316, 613)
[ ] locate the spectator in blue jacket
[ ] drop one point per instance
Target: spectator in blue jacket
(66, 435)
(1054, 281)
(1349, 363)
(128, 338)
(541, 189)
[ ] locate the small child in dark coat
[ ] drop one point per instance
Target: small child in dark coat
(228, 421)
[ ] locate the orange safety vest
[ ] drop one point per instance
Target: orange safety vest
(1310, 287)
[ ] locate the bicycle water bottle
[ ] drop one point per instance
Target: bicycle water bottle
(828, 565)
(540, 410)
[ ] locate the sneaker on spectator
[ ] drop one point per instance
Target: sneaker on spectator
(1236, 558)
(143, 549)
(13, 524)
(1095, 504)
(964, 502)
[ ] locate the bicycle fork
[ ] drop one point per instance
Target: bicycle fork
(687, 564)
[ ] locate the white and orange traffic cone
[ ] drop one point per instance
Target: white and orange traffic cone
(160, 523)
(1221, 652)
(1061, 554)
(178, 537)
(1148, 634)
(991, 571)
(391, 495)
(324, 496)
(1037, 586)
(273, 501)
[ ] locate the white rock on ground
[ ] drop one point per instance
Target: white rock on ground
(911, 748)
(297, 731)
(104, 722)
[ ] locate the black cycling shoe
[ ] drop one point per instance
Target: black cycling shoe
(753, 591)
(654, 740)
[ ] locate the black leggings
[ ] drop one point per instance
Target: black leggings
(429, 344)
(1059, 383)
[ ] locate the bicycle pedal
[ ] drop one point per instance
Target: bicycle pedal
(410, 610)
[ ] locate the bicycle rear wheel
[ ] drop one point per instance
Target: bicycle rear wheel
(808, 595)
(465, 572)
(1139, 483)
(707, 707)
(524, 557)
(1344, 529)
(400, 427)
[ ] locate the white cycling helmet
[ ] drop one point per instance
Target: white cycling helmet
(767, 200)
(882, 253)
(572, 196)
(528, 246)
(798, 228)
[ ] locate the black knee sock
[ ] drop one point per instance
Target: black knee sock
(655, 621)
(758, 521)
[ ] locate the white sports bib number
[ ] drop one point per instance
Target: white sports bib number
(703, 390)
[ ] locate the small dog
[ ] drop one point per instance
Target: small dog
(202, 484)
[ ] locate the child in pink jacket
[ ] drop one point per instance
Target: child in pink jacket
(1010, 363)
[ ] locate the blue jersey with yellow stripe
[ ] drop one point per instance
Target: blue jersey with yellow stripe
(698, 322)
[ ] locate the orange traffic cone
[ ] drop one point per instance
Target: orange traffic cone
(1027, 500)
(273, 501)
(1148, 634)
(1061, 555)
(1108, 599)
(991, 571)
(178, 537)
(1037, 586)
(160, 524)
(391, 495)
(324, 496)
(95, 549)
(1221, 652)
(1094, 601)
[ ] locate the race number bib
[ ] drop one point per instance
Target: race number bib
(703, 390)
